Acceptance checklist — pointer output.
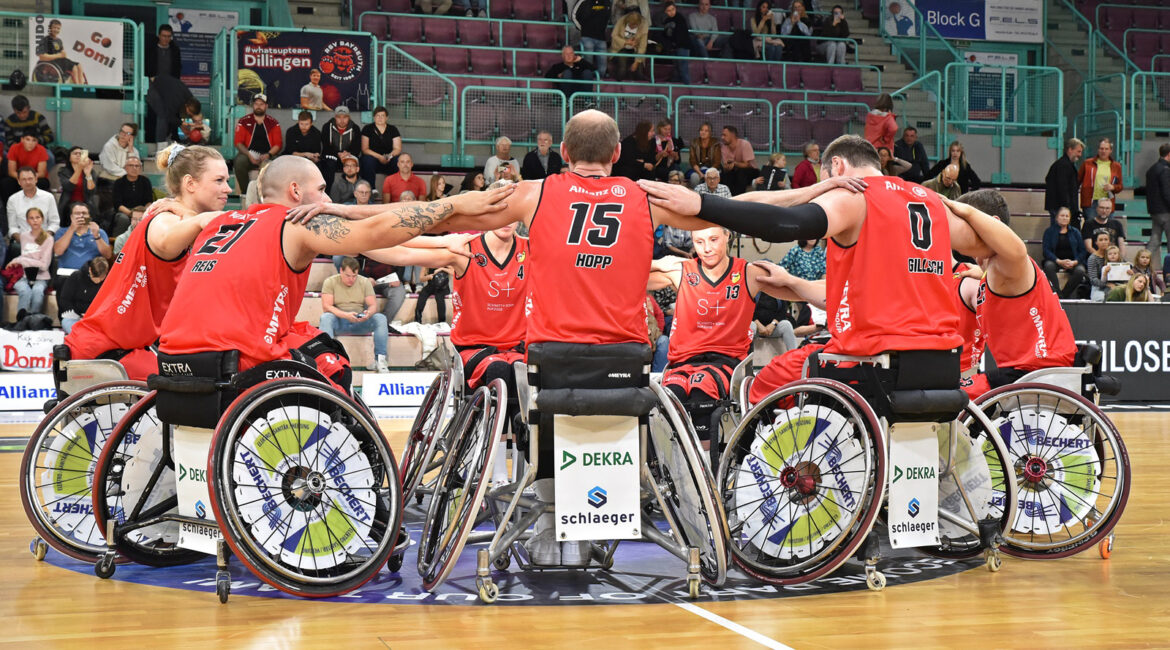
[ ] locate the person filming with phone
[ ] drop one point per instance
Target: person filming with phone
(78, 243)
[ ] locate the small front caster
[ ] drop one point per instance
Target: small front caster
(874, 579)
(38, 548)
(223, 585)
(994, 560)
(105, 566)
(1105, 547)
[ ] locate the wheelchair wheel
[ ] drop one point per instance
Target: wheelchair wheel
(977, 488)
(424, 434)
(1071, 467)
(135, 484)
(462, 483)
(57, 470)
(304, 487)
(802, 481)
(676, 464)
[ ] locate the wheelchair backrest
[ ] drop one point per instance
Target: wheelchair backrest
(582, 365)
(918, 385)
(189, 387)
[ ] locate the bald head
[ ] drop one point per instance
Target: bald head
(290, 181)
(591, 137)
(949, 175)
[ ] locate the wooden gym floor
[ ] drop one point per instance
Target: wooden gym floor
(1081, 601)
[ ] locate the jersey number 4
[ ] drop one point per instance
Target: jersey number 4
(919, 226)
(604, 224)
(222, 241)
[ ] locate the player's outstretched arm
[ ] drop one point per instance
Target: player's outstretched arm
(790, 198)
(406, 255)
(767, 222)
(775, 281)
(174, 227)
(521, 206)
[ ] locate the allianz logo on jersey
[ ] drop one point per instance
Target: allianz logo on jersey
(580, 190)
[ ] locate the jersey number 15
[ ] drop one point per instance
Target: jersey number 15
(603, 224)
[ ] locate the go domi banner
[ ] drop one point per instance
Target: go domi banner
(75, 51)
(278, 64)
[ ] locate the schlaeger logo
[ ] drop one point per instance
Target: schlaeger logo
(914, 507)
(597, 496)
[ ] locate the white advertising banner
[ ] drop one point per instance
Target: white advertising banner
(191, 447)
(75, 51)
(913, 493)
(30, 351)
(25, 391)
(395, 388)
(597, 477)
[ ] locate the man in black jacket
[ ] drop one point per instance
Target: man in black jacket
(1158, 201)
(543, 161)
(912, 151)
(676, 41)
(591, 18)
(573, 69)
(163, 59)
(339, 135)
(1061, 187)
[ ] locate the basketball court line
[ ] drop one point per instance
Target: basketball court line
(745, 632)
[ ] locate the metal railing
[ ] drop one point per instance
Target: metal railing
(626, 108)
(489, 112)
(691, 111)
(801, 121)
(1005, 100)
(932, 84)
(1149, 113)
(413, 91)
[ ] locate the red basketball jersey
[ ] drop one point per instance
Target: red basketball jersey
(128, 310)
(968, 326)
(712, 315)
(1026, 332)
(890, 290)
(591, 240)
(489, 297)
(237, 292)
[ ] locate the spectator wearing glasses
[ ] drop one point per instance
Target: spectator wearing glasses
(116, 151)
(132, 189)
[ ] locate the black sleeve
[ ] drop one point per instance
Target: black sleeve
(556, 70)
(66, 298)
(1164, 183)
(768, 222)
(176, 61)
(355, 143)
(530, 168)
(937, 169)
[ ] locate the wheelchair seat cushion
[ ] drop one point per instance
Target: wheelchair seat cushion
(929, 405)
(593, 367)
(632, 402)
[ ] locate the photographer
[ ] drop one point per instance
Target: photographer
(80, 242)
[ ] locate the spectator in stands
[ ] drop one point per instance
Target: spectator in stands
(774, 175)
(1061, 187)
(340, 137)
(36, 253)
(503, 154)
(676, 178)
(880, 123)
(808, 172)
(312, 96)
(116, 151)
(968, 179)
(381, 146)
(1143, 262)
(704, 28)
(1099, 177)
(304, 140)
(912, 151)
(1136, 290)
(678, 241)
(946, 183)
(403, 181)
(637, 155)
(507, 171)
(474, 9)
(591, 17)
(136, 214)
(764, 22)
(772, 320)
(705, 153)
(891, 165)
(473, 181)
(132, 189)
(665, 297)
(1158, 200)
(437, 283)
(805, 260)
(1064, 250)
(257, 139)
(28, 153)
(630, 37)
(835, 27)
(193, 129)
(362, 192)
(899, 22)
(543, 161)
(738, 159)
(623, 7)
(676, 40)
(29, 196)
(166, 102)
(440, 7)
(711, 184)
(655, 325)
(1102, 222)
(437, 188)
(23, 118)
(1095, 267)
(574, 70)
(797, 23)
(78, 243)
(349, 306)
(162, 55)
(78, 291)
(342, 190)
(667, 150)
(77, 184)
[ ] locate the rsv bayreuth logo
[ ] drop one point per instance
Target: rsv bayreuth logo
(597, 496)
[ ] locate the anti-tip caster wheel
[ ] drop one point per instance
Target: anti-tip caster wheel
(418, 499)
(105, 566)
(223, 588)
(38, 548)
(488, 591)
(875, 580)
(1105, 547)
(994, 561)
(693, 583)
(503, 562)
(394, 564)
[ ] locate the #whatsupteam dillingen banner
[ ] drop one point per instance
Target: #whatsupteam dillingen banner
(279, 65)
(75, 51)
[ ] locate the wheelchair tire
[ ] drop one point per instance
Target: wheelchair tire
(137, 484)
(676, 463)
(424, 436)
(57, 470)
(462, 482)
(789, 425)
(324, 468)
(1048, 431)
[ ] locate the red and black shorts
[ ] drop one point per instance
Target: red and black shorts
(781, 370)
(709, 374)
(478, 362)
